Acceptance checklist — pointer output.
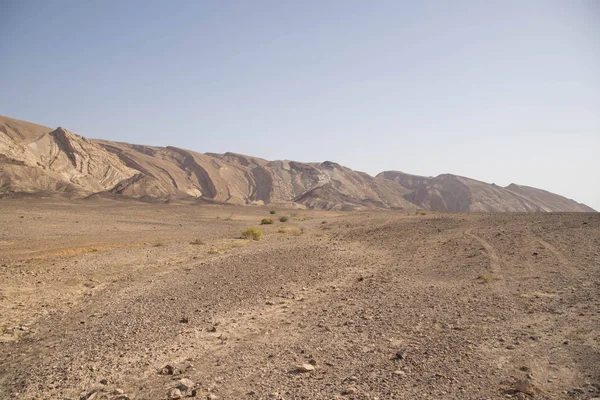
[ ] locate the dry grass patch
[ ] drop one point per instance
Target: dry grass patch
(252, 233)
(292, 230)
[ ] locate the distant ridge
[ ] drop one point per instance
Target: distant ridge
(39, 160)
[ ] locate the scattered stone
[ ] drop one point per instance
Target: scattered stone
(174, 394)
(401, 354)
(103, 382)
(352, 378)
(535, 253)
(167, 370)
(90, 395)
(305, 368)
(350, 390)
(399, 372)
(118, 391)
(212, 396)
(526, 387)
(185, 384)
(194, 392)
(510, 347)
(184, 320)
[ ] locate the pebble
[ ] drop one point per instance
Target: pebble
(401, 354)
(305, 368)
(185, 384)
(399, 372)
(167, 370)
(174, 394)
(350, 390)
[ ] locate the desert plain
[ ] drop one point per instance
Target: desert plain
(124, 299)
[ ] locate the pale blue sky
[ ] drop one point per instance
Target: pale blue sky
(501, 91)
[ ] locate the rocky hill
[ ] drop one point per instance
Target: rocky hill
(38, 160)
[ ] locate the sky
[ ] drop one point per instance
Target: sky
(500, 91)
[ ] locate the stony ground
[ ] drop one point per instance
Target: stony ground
(126, 300)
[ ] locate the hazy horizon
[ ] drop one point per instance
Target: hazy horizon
(499, 92)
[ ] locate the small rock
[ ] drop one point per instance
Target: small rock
(174, 394)
(185, 384)
(510, 347)
(184, 320)
(305, 368)
(350, 390)
(399, 372)
(535, 253)
(90, 395)
(167, 370)
(526, 387)
(103, 382)
(212, 397)
(118, 391)
(352, 378)
(401, 354)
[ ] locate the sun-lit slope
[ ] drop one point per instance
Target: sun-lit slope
(22, 132)
(454, 193)
(547, 201)
(55, 161)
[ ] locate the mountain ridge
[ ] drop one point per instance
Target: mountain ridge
(37, 159)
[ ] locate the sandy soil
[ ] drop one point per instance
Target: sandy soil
(98, 297)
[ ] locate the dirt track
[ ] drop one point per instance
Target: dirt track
(94, 296)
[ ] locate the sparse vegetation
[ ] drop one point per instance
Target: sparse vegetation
(94, 250)
(283, 219)
(252, 233)
(272, 212)
(197, 241)
(158, 244)
(230, 217)
(484, 278)
(266, 221)
(293, 230)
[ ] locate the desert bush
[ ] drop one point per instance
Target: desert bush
(283, 219)
(252, 233)
(197, 242)
(484, 278)
(293, 230)
(266, 221)
(272, 212)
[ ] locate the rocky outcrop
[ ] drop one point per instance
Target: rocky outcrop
(36, 159)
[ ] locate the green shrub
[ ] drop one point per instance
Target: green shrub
(272, 212)
(252, 233)
(266, 221)
(283, 219)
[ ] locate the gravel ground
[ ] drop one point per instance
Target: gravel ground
(111, 300)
